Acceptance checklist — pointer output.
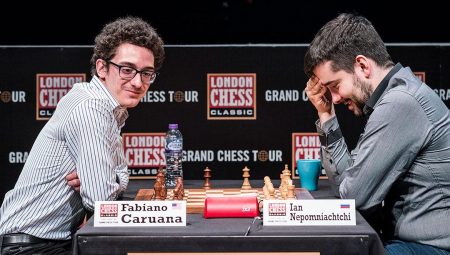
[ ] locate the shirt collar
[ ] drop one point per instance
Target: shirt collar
(373, 99)
(120, 112)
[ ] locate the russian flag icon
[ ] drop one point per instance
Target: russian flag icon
(345, 206)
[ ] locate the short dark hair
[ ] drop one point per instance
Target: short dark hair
(341, 40)
(131, 30)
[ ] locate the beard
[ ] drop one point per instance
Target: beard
(361, 95)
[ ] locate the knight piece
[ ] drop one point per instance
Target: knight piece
(160, 186)
(268, 189)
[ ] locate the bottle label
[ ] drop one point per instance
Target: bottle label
(175, 146)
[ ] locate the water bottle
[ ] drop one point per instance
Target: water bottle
(174, 155)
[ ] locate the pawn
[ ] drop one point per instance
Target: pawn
(291, 191)
(178, 191)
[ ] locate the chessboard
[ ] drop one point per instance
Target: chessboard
(195, 198)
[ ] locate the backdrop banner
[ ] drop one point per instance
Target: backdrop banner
(237, 106)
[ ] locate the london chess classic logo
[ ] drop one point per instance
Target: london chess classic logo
(109, 210)
(144, 153)
(231, 96)
(304, 146)
(50, 88)
(277, 209)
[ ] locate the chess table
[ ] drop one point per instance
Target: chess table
(227, 235)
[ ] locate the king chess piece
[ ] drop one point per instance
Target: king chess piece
(246, 175)
(285, 181)
(286, 171)
(207, 176)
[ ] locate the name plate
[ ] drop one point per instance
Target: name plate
(318, 212)
(139, 213)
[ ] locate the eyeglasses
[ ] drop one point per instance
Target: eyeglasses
(128, 73)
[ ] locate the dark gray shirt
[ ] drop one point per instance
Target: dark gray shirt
(401, 158)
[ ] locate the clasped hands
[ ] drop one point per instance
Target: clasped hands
(73, 180)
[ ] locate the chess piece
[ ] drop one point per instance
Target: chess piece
(207, 176)
(268, 189)
(272, 191)
(160, 186)
(284, 182)
(286, 171)
(284, 193)
(178, 191)
(291, 191)
(246, 184)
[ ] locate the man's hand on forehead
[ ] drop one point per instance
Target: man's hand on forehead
(314, 83)
(314, 78)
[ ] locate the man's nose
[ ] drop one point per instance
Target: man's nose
(336, 98)
(137, 81)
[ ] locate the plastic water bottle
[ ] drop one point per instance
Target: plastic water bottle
(174, 155)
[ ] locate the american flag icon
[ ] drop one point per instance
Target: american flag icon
(345, 206)
(176, 206)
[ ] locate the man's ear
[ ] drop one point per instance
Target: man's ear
(363, 66)
(101, 67)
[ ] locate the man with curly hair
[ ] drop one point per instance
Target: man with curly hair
(43, 210)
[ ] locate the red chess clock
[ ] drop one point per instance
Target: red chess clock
(231, 207)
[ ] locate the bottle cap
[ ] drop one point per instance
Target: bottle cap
(173, 126)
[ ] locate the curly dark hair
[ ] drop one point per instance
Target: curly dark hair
(131, 30)
(341, 40)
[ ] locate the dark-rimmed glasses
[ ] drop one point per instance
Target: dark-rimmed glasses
(128, 73)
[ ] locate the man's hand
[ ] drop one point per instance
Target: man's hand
(73, 181)
(320, 97)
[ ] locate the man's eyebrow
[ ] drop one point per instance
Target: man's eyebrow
(129, 64)
(328, 83)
